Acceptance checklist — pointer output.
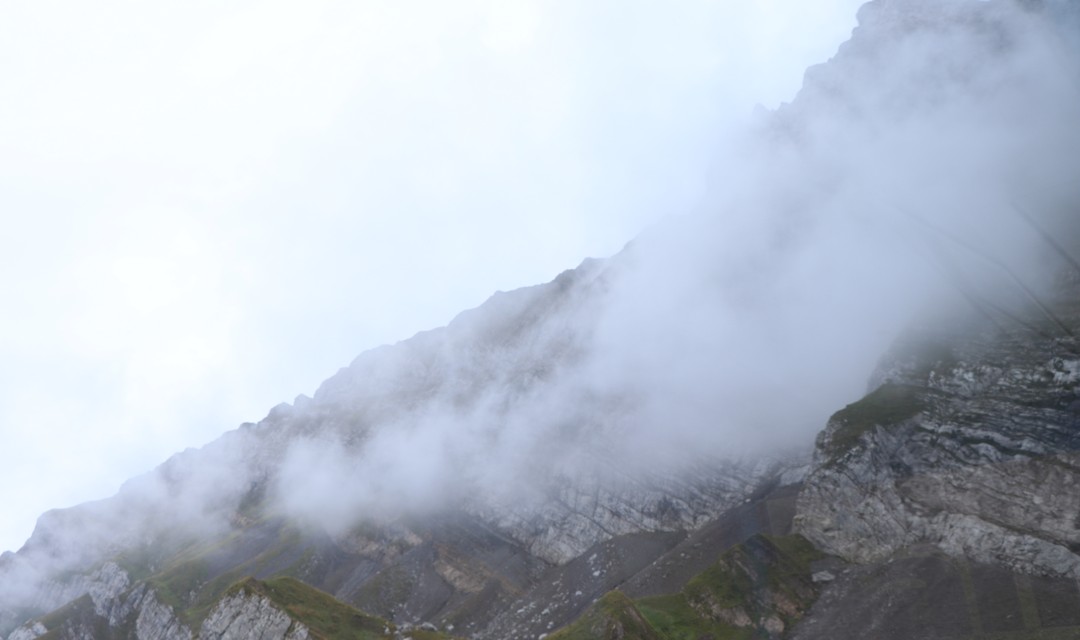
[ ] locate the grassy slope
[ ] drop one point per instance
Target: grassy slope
(612, 616)
(764, 578)
(325, 617)
(889, 404)
(189, 584)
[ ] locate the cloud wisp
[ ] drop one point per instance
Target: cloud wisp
(733, 333)
(206, 206)
(727, 334)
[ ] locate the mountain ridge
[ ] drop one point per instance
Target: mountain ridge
(616, 434)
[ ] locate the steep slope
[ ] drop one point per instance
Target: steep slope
(173, 541)
(613, 616)
(952, 486)
(496, 477)
(756, 589)
(201, 590)
(278, 609)
(923, 593)
(969, 443)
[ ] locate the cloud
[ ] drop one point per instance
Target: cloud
(208, 206)
(728, 332)
(736, 331)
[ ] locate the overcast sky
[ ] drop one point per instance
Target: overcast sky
(210, 207)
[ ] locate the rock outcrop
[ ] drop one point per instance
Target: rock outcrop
(970, 442)
(244, 615)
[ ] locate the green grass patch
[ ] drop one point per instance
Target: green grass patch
(385, 590)
(179, 585)
(765, 579)
(720, 585)
(797, 553)
(889, 404)
(190, 587)
(77, 614)
(612, 616)
(674, 619)
(326, 617)
(70, 610)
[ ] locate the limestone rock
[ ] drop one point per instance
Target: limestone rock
(250, 616)
(28, 631)
(971, 446)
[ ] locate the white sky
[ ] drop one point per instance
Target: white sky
(209, 207)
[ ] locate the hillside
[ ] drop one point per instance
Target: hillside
(629, 450)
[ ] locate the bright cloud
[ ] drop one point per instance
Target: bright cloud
(209, 207)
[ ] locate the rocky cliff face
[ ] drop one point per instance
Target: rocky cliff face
(136, 613)
(969, 442)
(246, 615)
(251, 609)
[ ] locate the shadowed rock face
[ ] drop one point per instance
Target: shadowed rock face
(922, 593)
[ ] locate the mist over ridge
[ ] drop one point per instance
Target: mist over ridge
(727, 335)
(734, 332)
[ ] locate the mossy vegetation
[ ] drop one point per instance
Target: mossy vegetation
(889, 404)
(612, 616)
(191, 584)
(757, 589)
(55, 620)
(198, 574)
(388, 588)
(325, 617)
(796, 554)
(178, 585)
(76, 619)
(720, 585)
(674, 619)
(761, 584)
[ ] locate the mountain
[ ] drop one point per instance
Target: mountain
(172, 544)
(628, 451)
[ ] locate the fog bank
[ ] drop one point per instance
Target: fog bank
(733, 332)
